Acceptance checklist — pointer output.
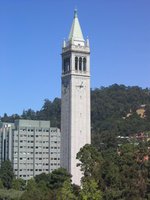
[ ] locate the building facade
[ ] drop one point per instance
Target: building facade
(75, 106)
(32, 146)
(6, 141)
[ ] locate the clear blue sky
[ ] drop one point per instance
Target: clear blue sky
(31, 35)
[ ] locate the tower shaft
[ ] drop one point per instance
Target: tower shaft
(75, 106)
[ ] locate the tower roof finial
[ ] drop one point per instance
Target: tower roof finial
(75, 13)
(76, 32)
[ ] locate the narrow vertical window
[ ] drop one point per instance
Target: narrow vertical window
(76, 63)
(84, 64)
(66, 67)
(80, 63)
(68, 64)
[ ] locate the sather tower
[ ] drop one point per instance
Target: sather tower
(75, 106)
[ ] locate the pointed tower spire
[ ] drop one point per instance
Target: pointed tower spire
(76, 32)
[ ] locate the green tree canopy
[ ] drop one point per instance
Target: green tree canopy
(90, 160)
(6, 174)
(90, 191)
(66, 192)
(58, 177)
(19, 184)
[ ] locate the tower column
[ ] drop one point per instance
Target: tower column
(75, 104)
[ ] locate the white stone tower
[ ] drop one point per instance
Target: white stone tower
(75, 106)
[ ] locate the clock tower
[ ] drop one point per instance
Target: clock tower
(75, 99)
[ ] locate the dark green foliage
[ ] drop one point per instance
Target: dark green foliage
(58, 177)
(9, 119)
(109, 109)
(19, 184)
(90, 161)
(132, 180)
(90, 190)
(42, 177)
(55, 179)
(29, 114)
(10, 194)
(111, 174)
(1, 184)
(48, 186)
(37, 191)
(122, 174)
(50, 111)
(66, 192)
(76, 189)
(6, 174)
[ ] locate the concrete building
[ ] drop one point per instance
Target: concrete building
(32, 146)
(6, 141)
(75, 107)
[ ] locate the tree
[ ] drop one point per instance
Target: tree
(43, 177)
(29, 114)
(66, 192)
(6, 174)
(58, 177)
(90, 161)
(31, 184)
(19, 184)
(35, 191)
(1, 184)
(90, 191)
(10, 194)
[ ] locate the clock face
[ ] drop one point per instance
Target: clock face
(80, 85)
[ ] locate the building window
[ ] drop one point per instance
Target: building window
(80, 63)
(76, 63)
(84, 64)
(66, 67)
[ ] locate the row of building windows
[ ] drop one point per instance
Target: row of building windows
(29, 153)
(32, 130)
(37, 141)
(31, 158)
(39, 135)
(26, 135)
(80, 64)
(37, 147)
(31, 141)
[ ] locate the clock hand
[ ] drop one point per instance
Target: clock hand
(80, 86)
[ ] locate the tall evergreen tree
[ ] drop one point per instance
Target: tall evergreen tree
(6, 174)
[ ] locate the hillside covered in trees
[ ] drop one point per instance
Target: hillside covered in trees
(113, 113)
